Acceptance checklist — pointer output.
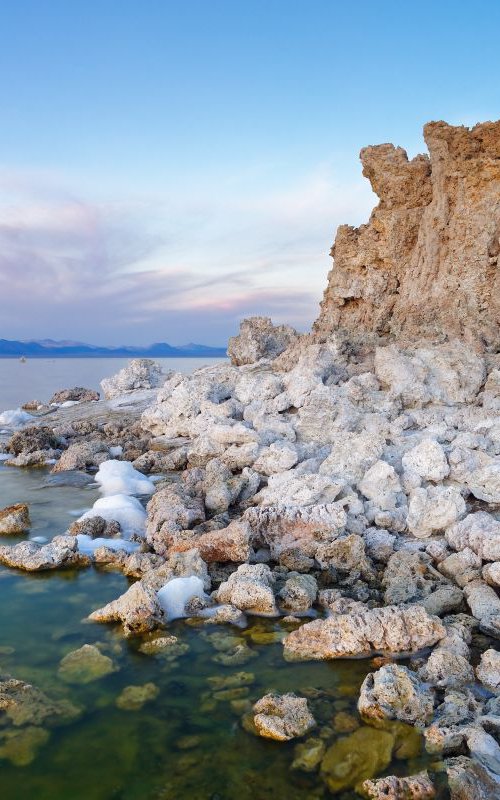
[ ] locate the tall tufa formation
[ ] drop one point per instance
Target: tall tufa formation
(427, 264)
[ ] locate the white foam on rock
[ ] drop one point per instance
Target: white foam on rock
(122, 508)
(15, 417)
(120, 477)
(116, 451)
(87, 545)
(177, 592)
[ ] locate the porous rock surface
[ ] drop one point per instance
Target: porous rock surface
(426, 264)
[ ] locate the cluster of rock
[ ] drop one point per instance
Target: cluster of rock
(353, 481)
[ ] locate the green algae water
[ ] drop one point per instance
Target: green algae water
(188, 741)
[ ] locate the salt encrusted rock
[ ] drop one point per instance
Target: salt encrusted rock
(381, 485)
(78, 394)
(14, 519)
(249, 589)
(470, 780)
(345, 554)
(407, 577)
(278, 457)
(484, 482)
(445, 668)
(393, 787)
(282, 717)
(433, 509)
(299, 592)
(295, 529)
(82, 455)
(488, 670)
(352, 454)
(295, 489)
(462, 567)
(259, 338)
(393, 692)
(171, 510)
(32, 440)
(429, 222)
(482, 599)
(393, 629)
(491, 574)
(138, 610)
(141, 373)
(85, 665)
(61, 552)
(427, 460)
(480, 532)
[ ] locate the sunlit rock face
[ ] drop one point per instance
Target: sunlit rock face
(426, 265)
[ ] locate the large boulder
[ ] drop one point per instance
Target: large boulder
(140, 373)
(394, 692)
(282, 717)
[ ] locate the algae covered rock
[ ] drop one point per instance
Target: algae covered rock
(282, 717)
(309, 754)
(23, 704)
(356, 758)
(20, 746)
(133, 698)
(85, 665)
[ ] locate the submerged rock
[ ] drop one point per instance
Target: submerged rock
(393, 629)
(133, 698)
(282, 717)
(21, 746)
(85, 665)
(356, 758)
(14, 519)
(22, 704)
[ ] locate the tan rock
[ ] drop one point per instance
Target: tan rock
(14, 519)
(394, 629)
(426, 264)
(282, 717)
(413, 787)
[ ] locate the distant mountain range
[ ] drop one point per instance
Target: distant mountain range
(48, 348)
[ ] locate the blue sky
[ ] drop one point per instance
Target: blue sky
(167, 168)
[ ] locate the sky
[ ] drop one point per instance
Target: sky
(168, 167)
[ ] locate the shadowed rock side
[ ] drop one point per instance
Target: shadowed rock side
(427, 263)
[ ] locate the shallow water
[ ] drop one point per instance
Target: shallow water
(184, 744)
(39, 378)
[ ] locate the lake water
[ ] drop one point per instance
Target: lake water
(39, 378)
(188, 743)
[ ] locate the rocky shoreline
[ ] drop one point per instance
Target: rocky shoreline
(349, 485)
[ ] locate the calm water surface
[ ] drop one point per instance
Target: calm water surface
(184, 745)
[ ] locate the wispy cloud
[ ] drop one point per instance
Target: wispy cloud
(168, 267)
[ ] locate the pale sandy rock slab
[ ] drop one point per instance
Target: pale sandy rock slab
(141, 373)
(278, 457)
(469, 780)
(259, 338)
(427, 460)
(488, 670)
(433, 509)
(292, 488)
(392, 629)
(282, 717)
(138, 610)
(393, 787)
(14, 519)
(394, 692)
